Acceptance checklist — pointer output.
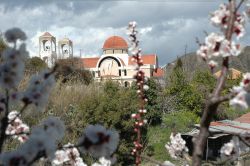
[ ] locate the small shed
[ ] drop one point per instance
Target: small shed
(221, 132)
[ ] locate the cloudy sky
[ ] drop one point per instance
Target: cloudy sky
(166, 26)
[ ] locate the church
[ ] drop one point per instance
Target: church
(114, 63)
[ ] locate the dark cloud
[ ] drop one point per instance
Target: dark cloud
(168, 25)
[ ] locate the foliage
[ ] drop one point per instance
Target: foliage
(187, 97)
(74, 74)
(34, 65)
(113, 109)
(3, 45)
(107, 104)
(182, 121)
(153, 105)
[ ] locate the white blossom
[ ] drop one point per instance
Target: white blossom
(37, 144)
(68, 155)
(241, 100)
(177, 146)
(54, 127)
(39, 89)
(212, 64)
(41, 141)
(228, 148)
(202, 51)
(241, 92)
(146, 87)
(216, 45)
(103, 162)
(12, 35)
(246, 81)
(98, 141)
(220, 17)
(234, 148)
(16, 128)
(12, 68)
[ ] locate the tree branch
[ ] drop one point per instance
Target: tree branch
(213, 102)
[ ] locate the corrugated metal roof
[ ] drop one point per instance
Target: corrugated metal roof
(229, 126)
(196, 131)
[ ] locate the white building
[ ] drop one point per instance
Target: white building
(115, 63)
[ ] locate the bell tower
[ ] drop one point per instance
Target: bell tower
(47, 48)
(65, 48)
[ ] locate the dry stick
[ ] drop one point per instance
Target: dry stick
(214, 101)
(4, 121)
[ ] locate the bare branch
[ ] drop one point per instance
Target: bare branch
(225, 98)
(4, 121)
(212, 103)
(239, 5)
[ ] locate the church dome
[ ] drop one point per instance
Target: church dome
(115, 42)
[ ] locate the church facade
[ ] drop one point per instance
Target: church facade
(115, 63)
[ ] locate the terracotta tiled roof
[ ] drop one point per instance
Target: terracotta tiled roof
(115, 42)
(147, 59)
(47, 34)
(158, 72)
(90, 62)
(244, 118)
(233, 74)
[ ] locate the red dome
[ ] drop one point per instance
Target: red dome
(115, 42)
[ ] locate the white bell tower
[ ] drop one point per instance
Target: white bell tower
(65, 48)
(47, 48)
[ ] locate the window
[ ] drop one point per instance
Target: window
(120, 73)
(125, 72)
(126, 84)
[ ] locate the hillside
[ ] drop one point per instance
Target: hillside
(191, 63)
